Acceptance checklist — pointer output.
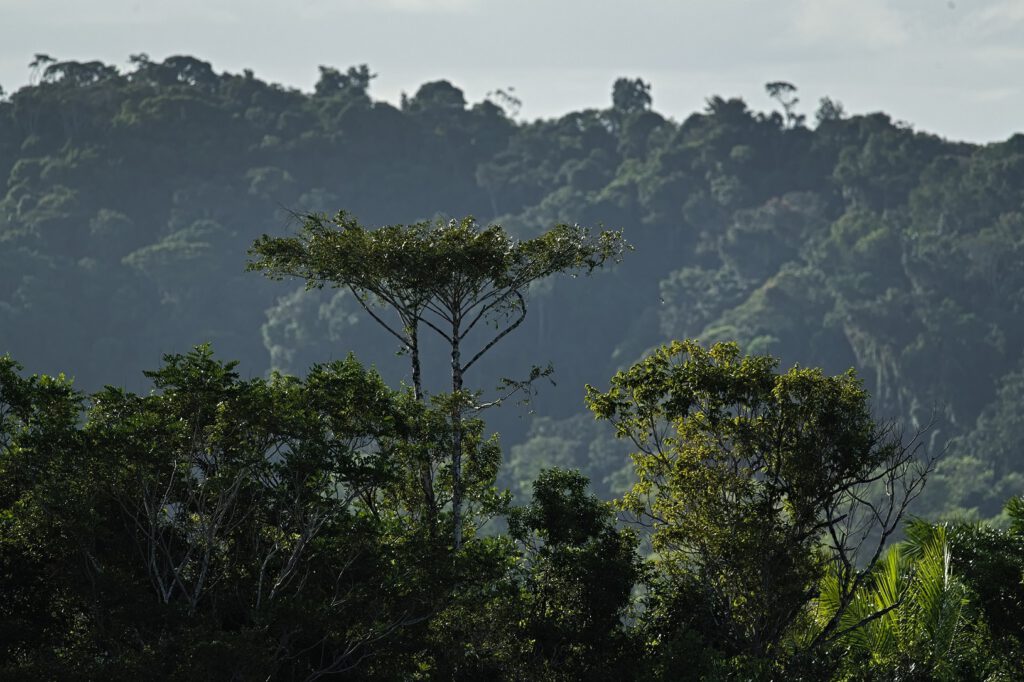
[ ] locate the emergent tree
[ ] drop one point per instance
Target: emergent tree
(452, 277)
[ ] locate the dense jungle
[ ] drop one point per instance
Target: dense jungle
(755, 416)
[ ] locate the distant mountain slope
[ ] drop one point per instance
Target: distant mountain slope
(131, 198)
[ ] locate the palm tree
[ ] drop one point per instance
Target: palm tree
(910, 621)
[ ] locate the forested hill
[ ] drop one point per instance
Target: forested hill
(853, 240)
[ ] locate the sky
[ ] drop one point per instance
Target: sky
(950, 67)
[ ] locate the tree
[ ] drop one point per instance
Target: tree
(436, 96)
(38, 63)
(579, 571)
(507, 100)
(631, 95)
(753, 482)
(354, 82)
(924, 627)
(829, 110)
(39, 444)
(785, 94)
(990, 560)
(78, 74)
(215, 528)
(452, 277)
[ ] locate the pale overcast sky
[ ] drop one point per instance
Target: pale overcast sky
(952, 67)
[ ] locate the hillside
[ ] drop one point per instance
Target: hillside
(131, 199)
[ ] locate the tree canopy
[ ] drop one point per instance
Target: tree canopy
(754, 484)
(275, 529)
(845, 239)
(449, 277)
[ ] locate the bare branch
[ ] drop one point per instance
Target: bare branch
(501, 335)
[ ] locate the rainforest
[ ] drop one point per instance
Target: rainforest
(305, 384)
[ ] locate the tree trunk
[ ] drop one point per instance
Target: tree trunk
(456, 434)
(414, 354)
(426, 473)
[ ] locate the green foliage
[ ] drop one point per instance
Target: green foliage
(277, 528)
(906, 245)
(448, 277)
(990, 561)
(912, 622)
(942, 605)
(750, 481)
(130, 195)
(423, 258)
(226, 524)
(580, 570)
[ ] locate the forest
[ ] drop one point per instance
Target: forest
(756, 377)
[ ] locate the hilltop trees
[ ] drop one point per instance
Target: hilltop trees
(631, 95)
